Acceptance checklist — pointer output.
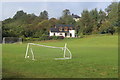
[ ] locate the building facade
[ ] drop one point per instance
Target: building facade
(62, 30)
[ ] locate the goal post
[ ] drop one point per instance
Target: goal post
(29, 48)
(11, 40)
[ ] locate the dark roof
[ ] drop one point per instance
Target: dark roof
(61, 25)
(56, 28)
(75, 16)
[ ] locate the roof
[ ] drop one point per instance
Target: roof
(56, 28)
(62, 25)
(75, 16)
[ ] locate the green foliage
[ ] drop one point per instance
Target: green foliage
(44, 15)
(91, 22)
(112, 10)
(43, 37)
(66, 18)
(94, 19)
(105, 26)
(86, 22)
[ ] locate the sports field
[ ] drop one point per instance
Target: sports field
(93, 57)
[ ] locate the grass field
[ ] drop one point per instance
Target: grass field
(93, 57)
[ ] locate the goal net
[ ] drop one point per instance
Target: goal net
(12, 40)
(32, 51)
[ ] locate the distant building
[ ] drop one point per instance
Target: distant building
(76, 17)
(62, 30)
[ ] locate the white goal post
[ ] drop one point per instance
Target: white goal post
(63, 48)
(11, 40)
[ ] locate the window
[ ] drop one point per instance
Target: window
(66, 29)
(60, 29)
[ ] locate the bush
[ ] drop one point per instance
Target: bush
(57, 37)
(54, 37)
(60, 37)
(43, 38)
(30, 39)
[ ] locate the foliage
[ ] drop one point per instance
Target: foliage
(66, 18)
(86, 22)
(44, 15)
(91, 22)
(43, 37)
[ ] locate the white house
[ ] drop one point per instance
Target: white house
(76, 17)
(62, 30)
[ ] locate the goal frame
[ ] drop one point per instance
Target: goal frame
(63, 48)
(19, 40)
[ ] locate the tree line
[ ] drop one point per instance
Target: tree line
(90, 22)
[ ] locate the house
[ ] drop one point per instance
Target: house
(62, 30)
(76, 17)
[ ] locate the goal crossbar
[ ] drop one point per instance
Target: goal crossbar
(63, 48)
(44, 45)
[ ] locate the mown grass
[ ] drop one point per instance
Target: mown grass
(93, 57)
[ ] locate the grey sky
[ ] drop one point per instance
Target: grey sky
(54, 8)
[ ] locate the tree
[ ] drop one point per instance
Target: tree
(42, 28)
(66, 18)
(53, 21)
(102, 16)
(112, 11)
(104, 27)
(44, 15)
(19, 14)
(86, 22)
(107, 28)
(66, 12)
(94, 18)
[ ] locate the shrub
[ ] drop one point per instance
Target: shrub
(60, 37)
(43, 38)
(54, 37)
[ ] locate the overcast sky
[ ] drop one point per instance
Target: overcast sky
(54, 8)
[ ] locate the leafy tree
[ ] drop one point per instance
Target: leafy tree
(86, 22)
(19, 14)
(66, 18)
(94, 18)
(44, 15)
(53, 21)
(104, 27)
(102, 18)
(66, 12)
(112, 11)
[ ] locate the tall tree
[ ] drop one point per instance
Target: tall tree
(112, 11)
(19, 14)
(94, 18)
(102, 18)
(66, 18)
(44, 15)
(86, 22)
(66, 12)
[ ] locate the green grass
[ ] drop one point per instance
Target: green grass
(93, 57)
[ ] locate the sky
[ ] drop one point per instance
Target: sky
(54, 9)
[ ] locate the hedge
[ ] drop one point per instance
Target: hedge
(43, 38)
